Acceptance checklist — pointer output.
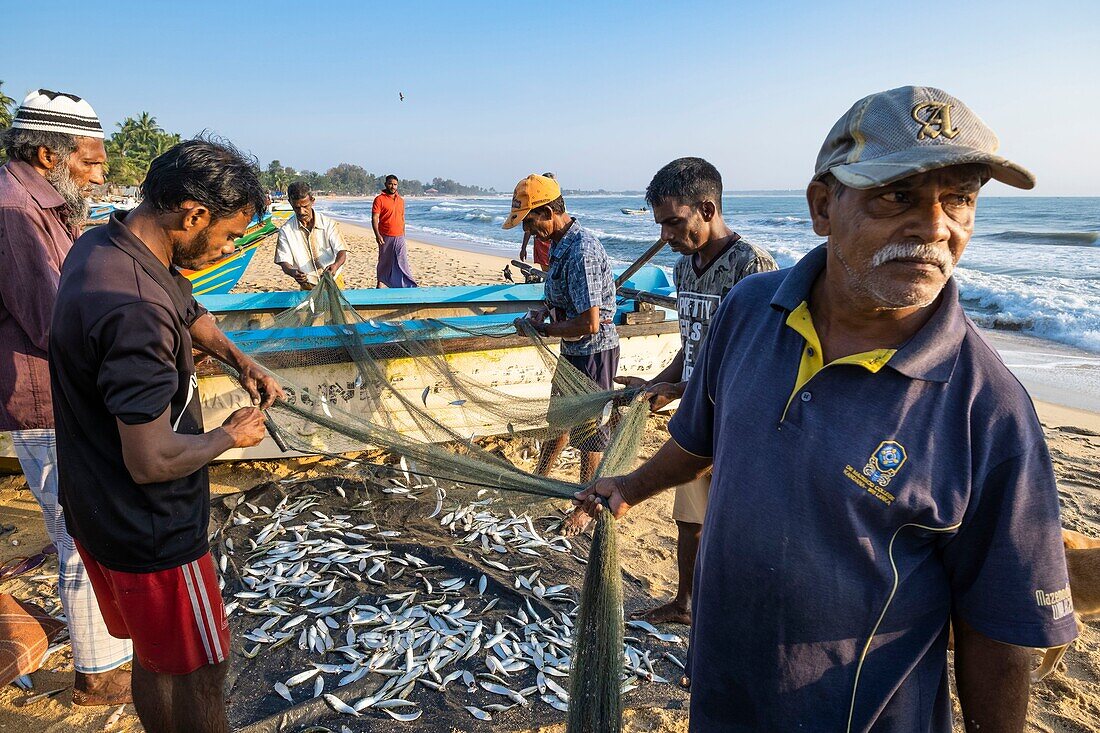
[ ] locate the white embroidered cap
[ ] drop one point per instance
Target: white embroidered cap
(57, 112)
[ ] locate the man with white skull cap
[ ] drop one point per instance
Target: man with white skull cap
(55, 152)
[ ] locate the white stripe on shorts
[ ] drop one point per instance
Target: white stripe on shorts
(197, 611)
(215, 640)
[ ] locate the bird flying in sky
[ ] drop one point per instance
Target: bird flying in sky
(402, 95)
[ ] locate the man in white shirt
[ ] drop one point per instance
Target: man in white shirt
(310, 243)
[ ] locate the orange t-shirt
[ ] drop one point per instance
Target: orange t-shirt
(391, 214)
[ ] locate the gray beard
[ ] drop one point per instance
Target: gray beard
(74, 212)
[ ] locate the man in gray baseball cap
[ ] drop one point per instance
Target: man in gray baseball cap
(896, 134)
(878, 474)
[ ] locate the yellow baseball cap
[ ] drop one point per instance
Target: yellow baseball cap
(531, 193)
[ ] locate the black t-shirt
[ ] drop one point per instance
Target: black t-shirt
(120, 348)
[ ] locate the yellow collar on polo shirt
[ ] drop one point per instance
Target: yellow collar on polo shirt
(812, 361)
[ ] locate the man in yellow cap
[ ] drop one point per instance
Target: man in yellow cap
(580, 304)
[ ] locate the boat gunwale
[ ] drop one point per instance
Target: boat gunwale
(649, 279)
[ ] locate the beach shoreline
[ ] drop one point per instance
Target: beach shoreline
(417, 234)
(432, 264)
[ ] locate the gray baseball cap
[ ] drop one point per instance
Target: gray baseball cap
(901, 132)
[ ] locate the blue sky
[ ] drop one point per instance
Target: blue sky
(603, 94)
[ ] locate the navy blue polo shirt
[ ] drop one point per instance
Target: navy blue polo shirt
(849, 519)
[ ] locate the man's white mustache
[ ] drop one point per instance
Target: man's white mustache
(909, 251)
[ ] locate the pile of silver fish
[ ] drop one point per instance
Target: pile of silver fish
(437, 632)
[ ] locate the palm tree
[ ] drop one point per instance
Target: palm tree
(133, 146)
(163, 142)
(7, 104)
(126, 137)
(147, 131)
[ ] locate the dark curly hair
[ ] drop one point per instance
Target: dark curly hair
(687, 180)
(207, 170)
(297, 191)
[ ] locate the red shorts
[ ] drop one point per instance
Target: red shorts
(175, 617)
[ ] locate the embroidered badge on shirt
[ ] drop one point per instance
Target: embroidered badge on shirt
(880, 470)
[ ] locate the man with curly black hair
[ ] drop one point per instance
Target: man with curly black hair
(131, 449)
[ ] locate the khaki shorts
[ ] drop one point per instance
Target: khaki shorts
(690, 504)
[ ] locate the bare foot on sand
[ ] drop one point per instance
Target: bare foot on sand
(672, 612)
(102, 688)
(575, 523)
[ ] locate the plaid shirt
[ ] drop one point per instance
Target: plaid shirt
(580, 277)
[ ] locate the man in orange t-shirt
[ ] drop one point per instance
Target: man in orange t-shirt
(388, 220)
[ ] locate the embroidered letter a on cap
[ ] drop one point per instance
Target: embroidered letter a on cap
(935, 120)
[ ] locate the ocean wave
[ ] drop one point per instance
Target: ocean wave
(1042, 306)
(780, 221)
(450, 234)
(452, 207)
(1064, 239)
(605, 237)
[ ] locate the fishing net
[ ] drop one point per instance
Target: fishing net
(318, 575)
(416, 388)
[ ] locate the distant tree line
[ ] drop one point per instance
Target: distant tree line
(354, 180)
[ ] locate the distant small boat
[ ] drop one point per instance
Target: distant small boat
(98, 214)
(635, 212)
(101, 212)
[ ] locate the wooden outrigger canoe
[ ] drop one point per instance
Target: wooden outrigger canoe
(649, 339)
(314, 358)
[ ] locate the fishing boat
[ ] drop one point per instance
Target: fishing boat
(635, 212)
(221, 276)
(313, 357)
(99, 213)
(280, 212)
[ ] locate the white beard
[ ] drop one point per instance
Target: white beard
(75, 210)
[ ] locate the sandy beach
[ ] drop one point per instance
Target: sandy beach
(1068, 701)
(432, 265)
